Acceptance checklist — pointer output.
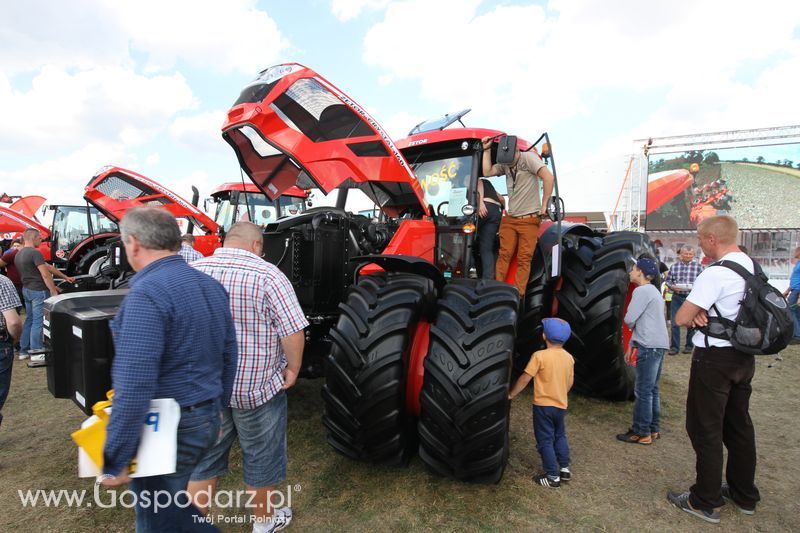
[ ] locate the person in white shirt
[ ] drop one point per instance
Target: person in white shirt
(718, 401)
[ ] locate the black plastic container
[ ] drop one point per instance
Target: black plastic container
(80, 348)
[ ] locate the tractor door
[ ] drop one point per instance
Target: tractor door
(448, 176)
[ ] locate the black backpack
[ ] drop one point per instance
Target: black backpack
(764, 324)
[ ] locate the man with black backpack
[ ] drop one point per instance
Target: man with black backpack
(718, 401)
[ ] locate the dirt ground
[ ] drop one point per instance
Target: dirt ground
(616, 486)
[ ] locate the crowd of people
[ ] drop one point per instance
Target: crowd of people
(247, 338)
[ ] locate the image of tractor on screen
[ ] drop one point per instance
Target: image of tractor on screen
(683, 188)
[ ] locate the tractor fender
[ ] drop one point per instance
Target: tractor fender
(403, 263)
(87, 245)
(549, 234)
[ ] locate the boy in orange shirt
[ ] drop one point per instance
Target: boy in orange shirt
(553, 370)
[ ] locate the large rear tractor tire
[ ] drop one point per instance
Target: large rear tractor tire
(535, 307)
(463, 426)
(364, 392)
(593, 299)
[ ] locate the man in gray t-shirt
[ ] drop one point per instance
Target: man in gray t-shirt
(37, 286)
(645, 317)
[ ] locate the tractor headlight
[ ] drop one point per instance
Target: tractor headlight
(468, 210)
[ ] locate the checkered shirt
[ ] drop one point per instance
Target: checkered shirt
(684, 274)
(188, 253)
(265, 309)
(9, 299)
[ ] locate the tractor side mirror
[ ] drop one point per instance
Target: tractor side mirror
(506, 149)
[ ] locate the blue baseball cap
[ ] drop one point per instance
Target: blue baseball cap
(649, 267)
(556, 330)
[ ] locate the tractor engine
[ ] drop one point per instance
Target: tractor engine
(314, 250)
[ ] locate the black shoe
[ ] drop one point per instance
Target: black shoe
(632, 437)
(688, 349)
(546, 481)
(726, 494)
(565, 474)
(681, 501)
(672, 352)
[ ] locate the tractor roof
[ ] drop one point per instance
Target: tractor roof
(114, 190)
(292, 127)
(252, 187)
(15, 222)
(664, 186)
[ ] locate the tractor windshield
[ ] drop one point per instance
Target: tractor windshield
(445, 183)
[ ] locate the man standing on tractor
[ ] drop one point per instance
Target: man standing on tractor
(680, 280)
(519, 228)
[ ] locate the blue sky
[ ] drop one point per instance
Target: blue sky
(145, 84)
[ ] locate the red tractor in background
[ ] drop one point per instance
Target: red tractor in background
(415, 354)
(232, 202)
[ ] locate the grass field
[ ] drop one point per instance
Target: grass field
(616, 486)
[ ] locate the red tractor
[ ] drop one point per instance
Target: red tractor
(414, 352)
(231, 202)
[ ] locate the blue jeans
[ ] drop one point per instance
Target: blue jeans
(551, 438)
(6, 365)
(34, 316)
(793, 296)
(487, 236)
(677, 301)
(647, 408)
(197, 432)
(262, 437)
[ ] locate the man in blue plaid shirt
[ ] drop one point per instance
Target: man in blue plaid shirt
(680, 280)
(10, 331)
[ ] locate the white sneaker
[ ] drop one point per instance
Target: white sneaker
(22, 356)
(280, 519)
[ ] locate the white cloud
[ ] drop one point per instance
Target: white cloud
(345, 10)
(221, 36)
(63, 179)
(201, 132)
(62, 110)
(529, 68)
(152, 159)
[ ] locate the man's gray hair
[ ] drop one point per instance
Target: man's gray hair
(154, 228)
(686, 248)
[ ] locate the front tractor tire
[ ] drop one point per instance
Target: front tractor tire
(365, 383)
(593, 299)
(464, 419)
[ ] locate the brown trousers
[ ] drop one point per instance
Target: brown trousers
(517, 235)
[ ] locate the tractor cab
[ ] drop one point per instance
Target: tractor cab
(74, 229)
(232, 202)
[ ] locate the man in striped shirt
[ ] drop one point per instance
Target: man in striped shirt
(269, 330)
(680, 280)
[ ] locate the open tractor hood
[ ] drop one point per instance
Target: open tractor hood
(291, 127)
